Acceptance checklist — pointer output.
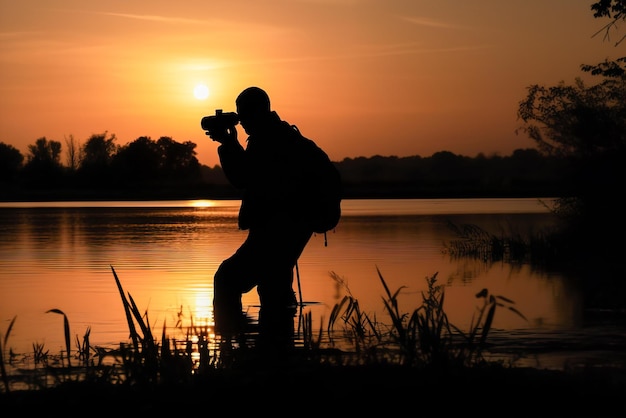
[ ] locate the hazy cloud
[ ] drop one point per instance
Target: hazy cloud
(432, 23)
(155, 18)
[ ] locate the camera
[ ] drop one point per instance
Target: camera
(220, 122)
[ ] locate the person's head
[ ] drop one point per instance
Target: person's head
(253, 108)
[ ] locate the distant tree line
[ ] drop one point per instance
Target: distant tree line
(525, 173)
(165, 168)
(579, 131)
(101, 169)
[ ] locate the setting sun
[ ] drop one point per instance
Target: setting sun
(200, 91)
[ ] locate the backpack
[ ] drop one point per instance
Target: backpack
(323, 185)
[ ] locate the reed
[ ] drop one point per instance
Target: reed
(361, 330)
(420, 338)
(423, 337)
(3, 343)
(537, 247)
(66, 332)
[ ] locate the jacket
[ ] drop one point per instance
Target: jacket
(272, 176)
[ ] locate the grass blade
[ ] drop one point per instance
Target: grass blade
(66, 330)
(129, 317)
(3, 371)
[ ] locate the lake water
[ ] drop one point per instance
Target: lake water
(60, 256)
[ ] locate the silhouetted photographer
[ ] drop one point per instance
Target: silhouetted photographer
(290, 190)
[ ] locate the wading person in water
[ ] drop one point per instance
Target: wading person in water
(275, 210)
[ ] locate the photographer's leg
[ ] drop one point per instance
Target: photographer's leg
(278, 309)
(234, 277)
(275, 288)
(227, 309)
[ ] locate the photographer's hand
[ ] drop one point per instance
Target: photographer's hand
(228, 136)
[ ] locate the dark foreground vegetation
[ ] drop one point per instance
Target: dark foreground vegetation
(415, 362)
(315, 390)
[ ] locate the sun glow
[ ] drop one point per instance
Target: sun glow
(204, 308)
(202, 203)
(201, 91)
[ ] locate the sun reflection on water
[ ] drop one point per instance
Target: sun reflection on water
(203, 309)
(202, 203)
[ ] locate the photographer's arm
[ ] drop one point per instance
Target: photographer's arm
(233, 160)
(226, 137)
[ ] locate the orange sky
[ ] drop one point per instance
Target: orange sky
(360, 77)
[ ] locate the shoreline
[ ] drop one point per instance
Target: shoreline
(318, 390)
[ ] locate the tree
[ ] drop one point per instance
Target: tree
(97, 154)
(138, 162)
(614, 10)
(161, 162)
(10, 162)
(43, 166)
(99, 150)
(44, 153)
(73, 153)
(578, 120)
(586, 125)
(178, 160)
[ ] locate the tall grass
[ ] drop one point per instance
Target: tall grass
(537, 247)
(423, 337)
(3, 344)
